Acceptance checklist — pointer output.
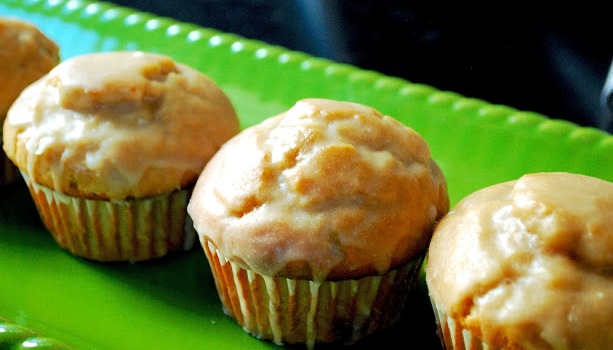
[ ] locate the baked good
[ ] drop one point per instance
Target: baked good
(111, 144)
(26, 54)
(315, 221)
(526, 264)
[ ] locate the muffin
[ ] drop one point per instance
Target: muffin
(315, 221)
(26, 54)
(111, 144)
(526, 264)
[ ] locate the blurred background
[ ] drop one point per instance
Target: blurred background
(551, 61)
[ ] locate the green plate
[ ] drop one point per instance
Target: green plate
(171, 303)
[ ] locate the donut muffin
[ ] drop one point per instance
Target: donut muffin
(26, 54)
(111, 144)
(315, 222)
(526, 264)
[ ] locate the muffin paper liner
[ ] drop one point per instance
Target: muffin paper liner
(453, 336)
(125, 230)
(291, 311)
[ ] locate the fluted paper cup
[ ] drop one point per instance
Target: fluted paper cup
(292, 311)
(123, 230)
(453, 335)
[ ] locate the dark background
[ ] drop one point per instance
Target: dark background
(549, 60)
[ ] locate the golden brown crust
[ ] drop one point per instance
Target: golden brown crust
(118, 125)
(26, 54)
(528, 264)
(327, 190)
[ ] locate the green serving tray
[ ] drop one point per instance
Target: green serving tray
(171, 303)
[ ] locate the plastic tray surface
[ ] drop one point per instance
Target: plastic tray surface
(171, 303)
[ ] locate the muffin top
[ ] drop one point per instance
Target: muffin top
(26, 54)
(118, 125)
(529, 263)
(327, 190)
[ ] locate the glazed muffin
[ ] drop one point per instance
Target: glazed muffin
(526, 264)
(111, 144)
(315, 221)
(26, 54)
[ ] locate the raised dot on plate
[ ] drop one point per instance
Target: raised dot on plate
(194, 35)
(92, 9)
(284, 58)
(237, 46)
(110, 14)
(152, 24)
(173, 30)
(216, 40)
(73, 5)
(261, 53)
(132, 19)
